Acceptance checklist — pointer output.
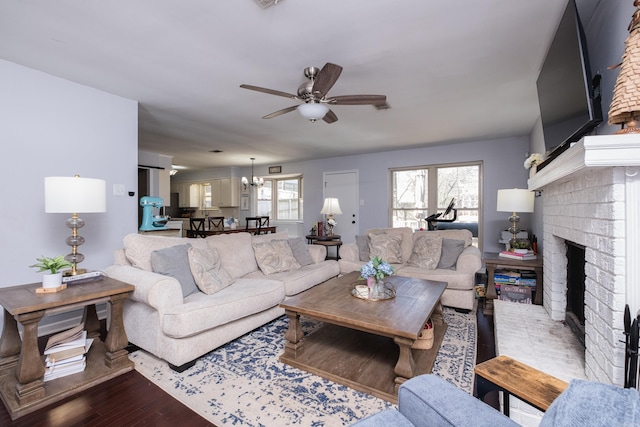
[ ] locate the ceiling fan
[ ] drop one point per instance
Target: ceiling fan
(314, 95)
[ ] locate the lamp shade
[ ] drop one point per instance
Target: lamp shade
(74, 195)
(331, 206)
(313, 111)
(515, 200)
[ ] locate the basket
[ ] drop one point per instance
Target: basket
(425, 339)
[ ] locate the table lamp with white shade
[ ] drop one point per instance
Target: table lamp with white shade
(515, 200)
(74, 195)
(331, 207)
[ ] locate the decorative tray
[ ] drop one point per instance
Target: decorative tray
(361, 291)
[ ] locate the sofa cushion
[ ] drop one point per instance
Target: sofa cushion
(407, 238)
(296, 281)
(300, 251)
(362, 242)
(207, 271)
(174, 262)
(426, 252)
(386, 246)
(275, 256)
(236, 253)
(138, 247)
(451, 250)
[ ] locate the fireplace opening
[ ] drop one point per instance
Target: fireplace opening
(574, 317)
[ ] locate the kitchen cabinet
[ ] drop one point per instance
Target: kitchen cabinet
(188, 194)
(226, 192)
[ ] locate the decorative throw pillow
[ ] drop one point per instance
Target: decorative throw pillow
(174, 262)
(386, 246)
(300, 251)
(426, 252)
(274, 256)
(362, 242)
(207, 270)
(451, 250)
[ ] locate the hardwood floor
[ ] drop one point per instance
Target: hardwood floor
(132, 400)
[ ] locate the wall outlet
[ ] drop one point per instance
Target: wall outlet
(118, 190)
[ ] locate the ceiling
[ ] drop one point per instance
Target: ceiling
(451, 70)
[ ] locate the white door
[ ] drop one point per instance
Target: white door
(344, 186)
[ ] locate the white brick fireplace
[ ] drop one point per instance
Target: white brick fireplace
(591, 196)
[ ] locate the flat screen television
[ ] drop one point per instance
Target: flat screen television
(568, 95)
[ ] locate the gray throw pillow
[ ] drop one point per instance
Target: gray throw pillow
(451, 250)
(300, 251)
(362, 242)
(174, 262)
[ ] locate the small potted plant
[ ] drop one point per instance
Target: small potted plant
(53, 277)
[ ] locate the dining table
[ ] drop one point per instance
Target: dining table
(228, 230)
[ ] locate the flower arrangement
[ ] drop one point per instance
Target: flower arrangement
(533, 160)
(376, 268)
(231, 220)
(332, 222)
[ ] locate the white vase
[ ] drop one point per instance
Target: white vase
(233, 226)
(532, 171)
(50, 281)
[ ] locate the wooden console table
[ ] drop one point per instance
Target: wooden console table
(22, 387)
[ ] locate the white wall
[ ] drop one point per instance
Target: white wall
(503, 161)
(53, 127)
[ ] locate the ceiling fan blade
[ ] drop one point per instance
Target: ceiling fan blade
(325, 79)
(357, 100)
(330, 117)
(280, 112)
(270, 91)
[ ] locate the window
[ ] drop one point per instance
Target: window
(280, 199)
(423, 191)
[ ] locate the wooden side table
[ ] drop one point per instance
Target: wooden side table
(22, 388)
(493, 261)
(330, 243)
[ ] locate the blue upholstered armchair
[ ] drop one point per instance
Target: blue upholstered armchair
(428, 401)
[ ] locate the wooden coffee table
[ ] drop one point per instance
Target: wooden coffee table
(365, 344)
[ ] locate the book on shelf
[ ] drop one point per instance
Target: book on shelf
(67, 353)
(513, 255)
(65, 337)
(63, 369)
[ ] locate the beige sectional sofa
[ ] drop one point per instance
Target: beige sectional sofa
(444, 255)
(223, 291)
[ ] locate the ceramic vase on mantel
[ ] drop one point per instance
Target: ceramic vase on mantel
(51, 280)
(532, 171)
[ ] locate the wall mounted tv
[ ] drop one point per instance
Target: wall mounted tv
(568, 95)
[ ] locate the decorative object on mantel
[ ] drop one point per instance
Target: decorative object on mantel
(625, 105)
(74, 195)
(52, 280)
(331, 207)
(515, 200)
(532, 163)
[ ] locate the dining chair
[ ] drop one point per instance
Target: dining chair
(216, 223)
(254, 224)
(196, 226)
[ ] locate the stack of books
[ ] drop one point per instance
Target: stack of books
(65, 353)
(521, 256)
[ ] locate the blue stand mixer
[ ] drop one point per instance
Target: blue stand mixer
(149, 221)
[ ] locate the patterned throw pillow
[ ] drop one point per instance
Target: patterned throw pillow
(451, 250)
(386, 246)
(426, 252)
(275, 256)
(207, 271)
(174, 262)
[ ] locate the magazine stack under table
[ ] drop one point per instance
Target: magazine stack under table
(65, 353)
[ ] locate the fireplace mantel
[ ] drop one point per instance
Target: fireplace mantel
(591, 151)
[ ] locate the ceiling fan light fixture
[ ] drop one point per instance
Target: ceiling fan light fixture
(313, 111)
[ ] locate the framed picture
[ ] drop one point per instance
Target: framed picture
(275, 169)
(244, 202)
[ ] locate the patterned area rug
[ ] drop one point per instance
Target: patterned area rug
(244, 384)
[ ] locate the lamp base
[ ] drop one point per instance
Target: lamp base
(68, 273)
